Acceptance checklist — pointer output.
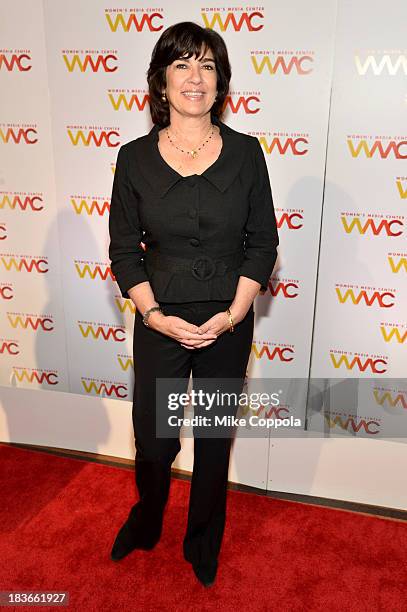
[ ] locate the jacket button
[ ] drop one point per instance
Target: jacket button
(192, 213)
(194, 242)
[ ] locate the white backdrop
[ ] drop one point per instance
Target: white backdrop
(73, 89)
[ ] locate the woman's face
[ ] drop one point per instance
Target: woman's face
(191, 85)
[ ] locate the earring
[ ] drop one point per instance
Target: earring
(164, 97)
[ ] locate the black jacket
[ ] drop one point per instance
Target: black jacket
(201, 232)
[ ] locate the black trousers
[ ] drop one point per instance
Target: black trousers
(158, 356)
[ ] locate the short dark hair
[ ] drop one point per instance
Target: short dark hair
(185, 39)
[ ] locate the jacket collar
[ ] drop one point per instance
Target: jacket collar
(220, 174)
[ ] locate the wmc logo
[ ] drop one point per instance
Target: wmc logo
(6, 291)
(381, 147)
(267, 351)
(125, 362)
(93, 62)
(237, 20)
(383, 64)
(109, 137)
(35, 376)
(123, 20)
(364, 224)
(293, 220)
(247, 104)
(301, 65)
(9, 347)
(21, 201)
(382, 299)
(397, 262)
(390, 398)
(400, 181)
(362, 363)
(104, 331)
(94, 386)
(294, 144)
(123, 304)
(31, 322)
(19, 263)
(14, 134)
(15, 61)
(393, 333)
(91, 206)
(88, 269)
(287, 289)
(128, 101)
(352, 424)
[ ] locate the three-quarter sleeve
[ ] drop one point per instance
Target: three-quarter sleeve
(261, 237)
(125, 251)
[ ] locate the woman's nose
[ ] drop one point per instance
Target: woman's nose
(195, 76)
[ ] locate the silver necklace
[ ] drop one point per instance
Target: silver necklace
(194, 152)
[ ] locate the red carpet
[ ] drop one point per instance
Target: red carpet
(59, 518)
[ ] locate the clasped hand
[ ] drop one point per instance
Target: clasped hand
(194, 336)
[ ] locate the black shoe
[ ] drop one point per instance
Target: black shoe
(128, 540)
(206, 574)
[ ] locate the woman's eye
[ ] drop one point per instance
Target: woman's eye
(179, 65)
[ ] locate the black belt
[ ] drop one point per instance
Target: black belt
(202, 267)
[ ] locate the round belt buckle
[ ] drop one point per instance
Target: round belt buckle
(203, 267)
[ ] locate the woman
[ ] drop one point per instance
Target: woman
(197, 194)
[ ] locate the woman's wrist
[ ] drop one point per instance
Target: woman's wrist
(156, 319)
(237, 313)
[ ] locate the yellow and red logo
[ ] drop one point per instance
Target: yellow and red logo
(283, 142)
(104, 388)
(136, 19)
(374, 223)
(93, 270)
(17, 59)
(31, 321)
(248, 103)
(287, 288)
(394, 331)
(90, 205)
(282, 62)
(367, 146)
(362, 362)
(125, 362)
(402, 191)
(35, 376)
(103, 331)
(353, 423)
(21, 263)
(123, 304)
(397, 262)
(233, 19)
(25, 133)
(11, 347)
(23, 201)
(392, 398)
(128, 99)
(94, 61)
(272, 351)
(291, 218)
(96, 135)
(368, 296)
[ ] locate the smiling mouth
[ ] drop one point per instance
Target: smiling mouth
(193, 94)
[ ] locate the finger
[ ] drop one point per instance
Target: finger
(196, 336)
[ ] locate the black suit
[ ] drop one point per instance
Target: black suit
(201, 232)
